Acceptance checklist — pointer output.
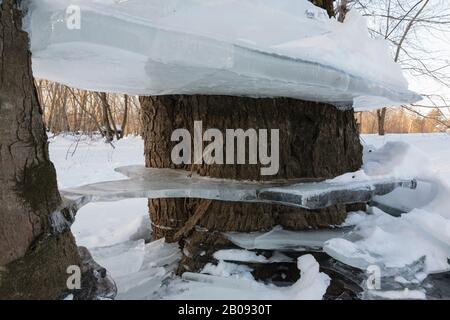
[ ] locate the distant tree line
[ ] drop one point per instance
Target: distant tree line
(69, 110)
(404, 120)
(412, 28)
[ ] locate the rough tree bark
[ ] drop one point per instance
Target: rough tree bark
(33, 258)
(317, 141)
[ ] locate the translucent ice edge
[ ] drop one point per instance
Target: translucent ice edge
(170, 183)
(286, 240)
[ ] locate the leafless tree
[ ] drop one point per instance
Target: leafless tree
(69, 110)
(412, 27)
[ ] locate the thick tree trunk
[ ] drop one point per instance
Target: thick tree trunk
(33, 259)
(317, 141)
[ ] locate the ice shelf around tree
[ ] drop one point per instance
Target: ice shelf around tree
(286, 48)
(171, 183)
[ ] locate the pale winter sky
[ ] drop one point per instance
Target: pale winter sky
(439, 46)
(430, 42)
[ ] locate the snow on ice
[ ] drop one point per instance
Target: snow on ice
(155, 47)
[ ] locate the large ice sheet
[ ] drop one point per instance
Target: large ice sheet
(257, 48)
(170, 183)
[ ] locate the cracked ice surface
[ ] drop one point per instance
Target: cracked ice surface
(258, 48)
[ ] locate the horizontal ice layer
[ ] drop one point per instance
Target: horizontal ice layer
(286, 240)
(328, 193)
(170, 183)
(252, 48)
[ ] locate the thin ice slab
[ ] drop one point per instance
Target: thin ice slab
(170, 183)
(286, 240)
(327, 193)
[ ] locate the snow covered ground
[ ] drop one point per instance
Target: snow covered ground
(408, 247)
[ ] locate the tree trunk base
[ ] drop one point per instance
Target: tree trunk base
(317, 141)
(41, 273)
(33, 261)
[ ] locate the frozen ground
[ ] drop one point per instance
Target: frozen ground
(406, 248)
